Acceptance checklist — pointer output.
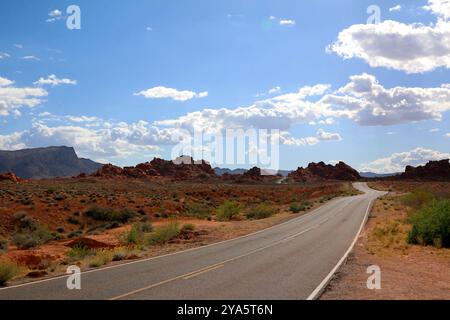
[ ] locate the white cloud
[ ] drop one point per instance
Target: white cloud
(435, 130)
(31, 58)
(18, 46)
(439, 8)
(398, 161)
(54, 15)
(448, 135)
(395, 8)
(149, 28)
(105, 141)
(365, 101)
(13, 98)
(284, 22)
(412, 48)
(163, 92)
(275, 90)
(54, 81)
(327, 136)
(4, 55)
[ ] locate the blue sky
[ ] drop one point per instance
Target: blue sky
(236, 51)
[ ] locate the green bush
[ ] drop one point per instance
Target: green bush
(164, 233)
(261, 211)
(8, 270)
(79, 252)
(29, 238)
(228, 210)
(188, 227)
(418, 198)
(201, 211)
(106, 214)
(297, 207)
(101, 258)
(431, 225)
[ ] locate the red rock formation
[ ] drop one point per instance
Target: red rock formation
(182, 168)
(321, 171)
(433, 170)
(9, 176)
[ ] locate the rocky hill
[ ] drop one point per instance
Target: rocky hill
(433, 170)
(182, 168)
(40, 163)
(321, 171)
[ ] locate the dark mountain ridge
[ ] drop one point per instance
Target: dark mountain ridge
(44, 163)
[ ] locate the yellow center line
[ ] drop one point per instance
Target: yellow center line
(202, 272)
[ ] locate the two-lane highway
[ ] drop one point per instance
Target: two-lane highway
(287, 261)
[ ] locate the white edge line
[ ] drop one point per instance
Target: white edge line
(318, 291)
(172, 253)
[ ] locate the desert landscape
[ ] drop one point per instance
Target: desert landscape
(114, 214)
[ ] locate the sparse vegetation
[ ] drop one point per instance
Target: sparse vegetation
(298, 207)
(187, 227)
(431, 225)
(101, 258)
(106, 214)
(201, 211)
(79, 252)
(418, 198)
(32, 236)
(164, 234)
(228, 210)
(261, 211)
(8, 270)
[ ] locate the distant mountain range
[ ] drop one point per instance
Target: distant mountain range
(220, 171)
(42, 163)
(377, 175)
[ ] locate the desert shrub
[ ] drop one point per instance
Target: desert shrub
(431, 225)
(73, 220)
(188, 227)
(29, 238)
(79, 252)
(261, 211)
(119, 254)
(418, 198)
(8, 270)
(228, 210)
(19, 215)
(106, 214)
(297, 207)
(3, 245)
(101, 258)
(201, 211)
(164, 234)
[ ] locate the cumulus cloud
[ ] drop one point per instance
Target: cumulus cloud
(398, 161)
(174, 94)
(13, 98)
(448, 135)
(103, 141)
(279, 112)
(412, 48)
(365, 101)
(321, 135)
(53, 81)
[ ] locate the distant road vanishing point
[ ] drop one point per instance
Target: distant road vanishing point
(291, 260)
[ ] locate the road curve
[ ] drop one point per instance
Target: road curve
(286, 261)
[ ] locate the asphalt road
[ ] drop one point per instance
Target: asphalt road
(286, 261)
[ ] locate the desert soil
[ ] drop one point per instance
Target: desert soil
(407, 271)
